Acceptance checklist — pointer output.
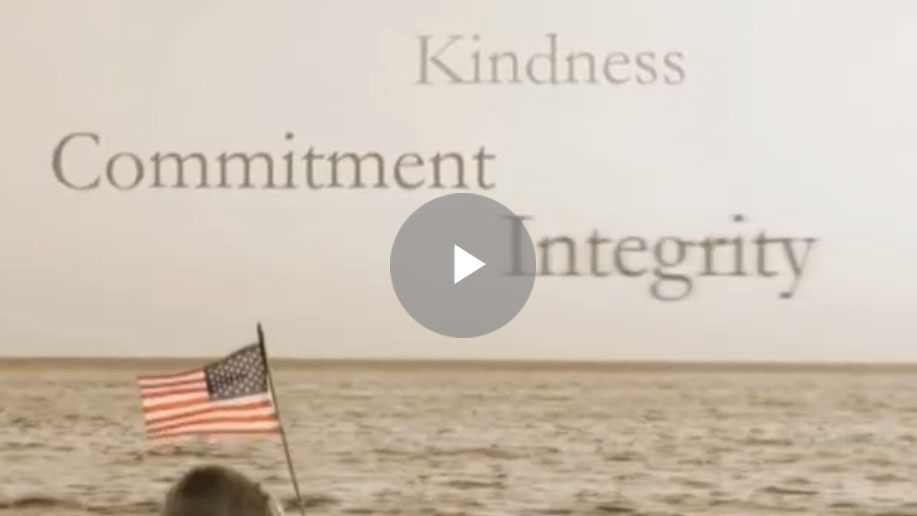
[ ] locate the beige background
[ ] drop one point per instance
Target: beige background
(800, 115)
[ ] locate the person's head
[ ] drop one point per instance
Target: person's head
(218, 491)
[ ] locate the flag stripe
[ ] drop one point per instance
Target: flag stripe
(205, 418)
(211, 408)
(195, 382)
(198, 405)
(223, 431)
(231, 396)
(146, 395)
(213, 419)
(209, 428)
(155, 381)
(177, 401)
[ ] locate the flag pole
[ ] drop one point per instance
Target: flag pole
(283, 433)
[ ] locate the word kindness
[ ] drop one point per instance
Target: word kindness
(468, 60)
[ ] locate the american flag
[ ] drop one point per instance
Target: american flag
(227, 397)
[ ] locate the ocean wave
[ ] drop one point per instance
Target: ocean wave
(142, 507)
(51, 503)
(46, 503)
(791, 491)
(309, 502)
(40, 502)
(474, 484)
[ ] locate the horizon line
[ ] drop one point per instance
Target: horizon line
(145, 362)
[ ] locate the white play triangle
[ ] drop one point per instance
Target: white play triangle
(464, 264)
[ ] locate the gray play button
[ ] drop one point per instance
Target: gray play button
(463, 265)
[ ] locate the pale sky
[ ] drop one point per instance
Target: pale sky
(799, 115)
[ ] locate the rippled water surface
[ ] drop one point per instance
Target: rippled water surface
(489, 442)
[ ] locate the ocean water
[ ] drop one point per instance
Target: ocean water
(495, 441)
